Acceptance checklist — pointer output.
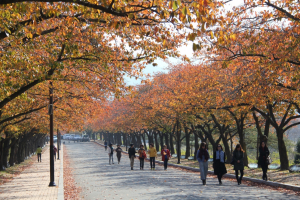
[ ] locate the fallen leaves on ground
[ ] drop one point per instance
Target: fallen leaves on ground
(71, 191)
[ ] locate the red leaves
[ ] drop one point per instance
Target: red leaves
(71, 191)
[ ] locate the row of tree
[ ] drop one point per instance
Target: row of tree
(14, 150)
(83, 48)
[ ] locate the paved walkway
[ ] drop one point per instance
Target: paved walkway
(99, 180)
(33, 182)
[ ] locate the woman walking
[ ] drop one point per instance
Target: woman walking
(142, 156)
(262, 160)
(131, 153)
(152, 153)
(165, 156)
(202, 157)
(119, 153)
(238, 159)
(219, 163)
(111, 154)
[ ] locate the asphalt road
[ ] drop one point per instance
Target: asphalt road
(99, 180)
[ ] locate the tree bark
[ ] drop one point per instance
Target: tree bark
(187, 143)
(284, 161)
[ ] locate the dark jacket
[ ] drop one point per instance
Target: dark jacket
(119, 151)
(131, 152)
(238, 155)
(263, 155)
(219, 167)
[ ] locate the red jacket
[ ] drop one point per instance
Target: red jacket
(163, 156)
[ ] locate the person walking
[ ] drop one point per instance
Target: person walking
(39, 153)
(105, 145)
(238, 160)
(142, 156)
(153, 154)
(119, 153)
(262, 159)
(202, 157)
(54, 152)
(131, 153)
(165, 156)
(111, 154)
(219, 163)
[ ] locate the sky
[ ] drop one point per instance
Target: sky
(161, 65)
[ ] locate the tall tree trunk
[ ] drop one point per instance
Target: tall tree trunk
(144, 140)
(156, 140)
(161, 139)
(178, 140)
(283, 156)
(166, 141)
(187, 143)
(227, 150)
(13, 152)
(1, 153)
(196, 144)
(171, 143)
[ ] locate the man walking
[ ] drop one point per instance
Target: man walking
(105, 145)
(39, 153)
(131, 152)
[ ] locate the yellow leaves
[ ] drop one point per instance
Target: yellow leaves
(232, 37)
(29, 35)
(211, 35)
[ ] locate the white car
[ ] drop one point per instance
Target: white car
(72, 137)
(54, 138)
(77, 138)
(66, 136)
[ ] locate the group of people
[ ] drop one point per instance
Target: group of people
(39, 153)
(166, 155)
(219, 159)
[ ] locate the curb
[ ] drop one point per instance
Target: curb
(60, 194)
(269, 183)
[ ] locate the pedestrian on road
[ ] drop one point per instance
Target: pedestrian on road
(165, 156)
(105, 145)
(219, 163)
(131, 153)
(54, 152)
(262, 160)
(142, 156)
(39, 153)
(238, 160)
(119, 153)
(111, 154)
(153, 154)
(202, 157)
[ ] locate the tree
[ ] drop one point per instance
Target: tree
(297, 156)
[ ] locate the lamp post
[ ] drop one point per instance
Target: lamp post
(52, 183)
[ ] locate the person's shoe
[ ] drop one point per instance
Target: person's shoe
(240, 181)
(151, 168)
(118, 162)
(113, 163)
(205, 182)
(220, 183)
(131, 168)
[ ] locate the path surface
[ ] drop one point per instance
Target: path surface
(33, 182)
(99, 180)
